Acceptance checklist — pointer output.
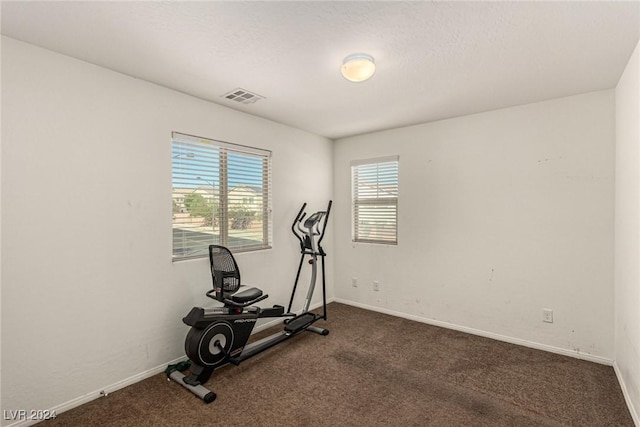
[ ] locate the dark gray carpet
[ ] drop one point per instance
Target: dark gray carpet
(375, 369)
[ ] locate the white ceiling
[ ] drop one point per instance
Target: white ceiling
(434, 59)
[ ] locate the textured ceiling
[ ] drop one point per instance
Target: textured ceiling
(434, 59)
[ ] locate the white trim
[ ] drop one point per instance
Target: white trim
(634, 412)
(183, 137)
(78, 401)
(385, 159)
(504, 338)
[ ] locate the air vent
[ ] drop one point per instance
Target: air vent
(243, 96)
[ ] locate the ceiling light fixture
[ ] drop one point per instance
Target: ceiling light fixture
(358, 67)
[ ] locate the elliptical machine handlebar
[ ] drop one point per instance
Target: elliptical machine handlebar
(324, 226)
(299, 217)
(311, 228)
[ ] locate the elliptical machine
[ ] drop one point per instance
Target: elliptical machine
(219, 335)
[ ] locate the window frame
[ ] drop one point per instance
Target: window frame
(389, 164)
(226, 161)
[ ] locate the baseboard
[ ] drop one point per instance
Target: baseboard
(78, 401)
(632, 409)
(74, 403)
(511, 340)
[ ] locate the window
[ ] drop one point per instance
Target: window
(375, 200)
(221, 195)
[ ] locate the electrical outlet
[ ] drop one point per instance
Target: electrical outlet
(354, 282)
(547, 315)
(376, 285)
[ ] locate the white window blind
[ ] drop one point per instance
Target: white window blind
(375, 200)
(221, 195)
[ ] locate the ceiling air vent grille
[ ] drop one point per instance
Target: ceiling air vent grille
(243, 96)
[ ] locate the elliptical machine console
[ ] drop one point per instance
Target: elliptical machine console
(218, 336)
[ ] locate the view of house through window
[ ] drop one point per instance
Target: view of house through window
(221, 195)
(375, 200)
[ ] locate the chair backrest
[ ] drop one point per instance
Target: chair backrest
(224, 271)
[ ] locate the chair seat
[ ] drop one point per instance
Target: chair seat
(246, 295)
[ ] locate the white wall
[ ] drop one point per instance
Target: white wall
(627, 233)
(501, 214)
(90, 296)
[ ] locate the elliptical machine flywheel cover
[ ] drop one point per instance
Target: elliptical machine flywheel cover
(200, 344)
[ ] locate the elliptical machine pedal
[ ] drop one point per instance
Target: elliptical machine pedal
(298, 323)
